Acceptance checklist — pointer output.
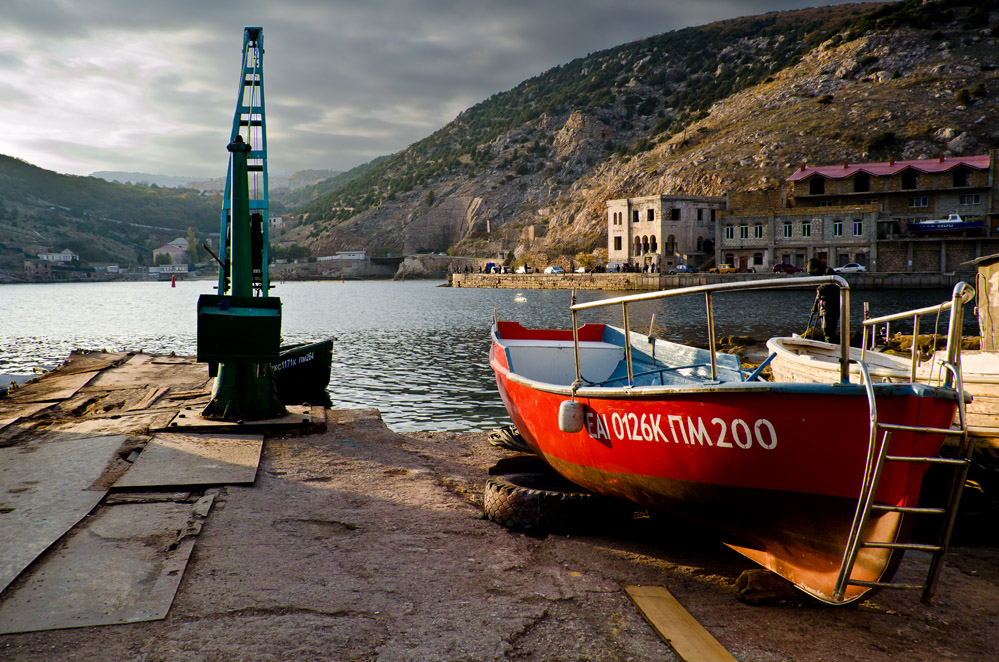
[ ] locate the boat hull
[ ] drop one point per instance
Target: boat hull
(777, 468)
(302, 373)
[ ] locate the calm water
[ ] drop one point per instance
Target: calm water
(416, 351)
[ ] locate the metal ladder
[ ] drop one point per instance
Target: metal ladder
(877, 456)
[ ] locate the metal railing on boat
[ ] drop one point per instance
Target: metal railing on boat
(709, 291)
(962, 294)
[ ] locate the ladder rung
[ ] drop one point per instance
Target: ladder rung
(253, 168)
(251, 122)
(914, 428)
(910, 509)
(902, 545)
(928, 460)
(860, 582)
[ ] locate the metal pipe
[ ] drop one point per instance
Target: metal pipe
(711, 334)
(627, 345)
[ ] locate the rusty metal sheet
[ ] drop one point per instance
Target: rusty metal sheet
(175, 373)
(195, 459)
(123, 566)
(43, 493)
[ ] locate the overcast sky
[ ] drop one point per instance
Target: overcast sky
(134, 85)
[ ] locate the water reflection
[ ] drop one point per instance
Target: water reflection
(414, 350)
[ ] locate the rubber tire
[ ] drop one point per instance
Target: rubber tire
(542, 502)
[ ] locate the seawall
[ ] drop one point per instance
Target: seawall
(652, 282)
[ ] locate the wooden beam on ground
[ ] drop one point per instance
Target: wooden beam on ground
(676, 626)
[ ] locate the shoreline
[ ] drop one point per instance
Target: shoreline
(654, 282)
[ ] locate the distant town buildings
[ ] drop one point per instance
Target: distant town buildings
(177, 250)
(881, 215)
(67, 256)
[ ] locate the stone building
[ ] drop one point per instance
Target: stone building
(866, 213)
(905, 191)
(662, 231)
(756, 239)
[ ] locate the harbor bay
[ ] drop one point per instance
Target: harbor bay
(415, 350)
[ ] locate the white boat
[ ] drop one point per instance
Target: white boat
(796, 359)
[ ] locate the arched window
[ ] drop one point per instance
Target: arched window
(653, 244)
(700, 244)
(671, 244)
(638, 246)
(645, 244)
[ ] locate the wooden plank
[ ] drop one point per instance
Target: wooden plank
(675, 625)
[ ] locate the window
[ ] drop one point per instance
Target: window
(858, 228)
(638, 247)
(652, 215)
(758, 231)
(806, 228)
(700, 214)
(617, 243)
(816, 186)
(962, 177)
(729, 232)
(910, 180)
(653, 244)
(634, 216)
(788, 230)
(674, 214)
(743, 232)
(823, 203)
(971, 199)
(837, 228)
(919, 201)
(861, 182)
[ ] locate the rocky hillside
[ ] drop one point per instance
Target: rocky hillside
(735, 105)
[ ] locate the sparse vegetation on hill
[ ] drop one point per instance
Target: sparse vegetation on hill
(732, 105)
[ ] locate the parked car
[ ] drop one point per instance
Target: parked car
(785, 268)
(581, 270)
(722, 269)
(500, 269)
(682, 269)
(524, 269)
(852, 268)
(554, 270)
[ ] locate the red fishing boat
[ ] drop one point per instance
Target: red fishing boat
(814, 481)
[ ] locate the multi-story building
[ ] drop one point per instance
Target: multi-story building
(658, 232)
(757, 239)
(864, 213)
(904, 191)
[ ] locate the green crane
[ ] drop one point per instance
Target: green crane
(239, 329)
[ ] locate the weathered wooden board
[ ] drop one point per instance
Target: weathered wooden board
(43, 493)
(195, 459)
(179, 374)
(123, 566)
(15, 413)
(53, 387)
(676, 626)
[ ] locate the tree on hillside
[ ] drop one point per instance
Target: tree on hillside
(192, 245)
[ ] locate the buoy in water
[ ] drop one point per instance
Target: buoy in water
(173, 281)
(570, 416)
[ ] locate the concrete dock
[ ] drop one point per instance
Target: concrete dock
(132, 530)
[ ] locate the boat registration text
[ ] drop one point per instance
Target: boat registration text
(690, 430)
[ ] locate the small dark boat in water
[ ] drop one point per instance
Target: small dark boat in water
(302, 373)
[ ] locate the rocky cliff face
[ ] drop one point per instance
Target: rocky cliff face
(905, 93)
